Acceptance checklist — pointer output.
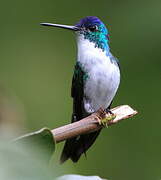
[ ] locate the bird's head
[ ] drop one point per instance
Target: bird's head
(91, 28)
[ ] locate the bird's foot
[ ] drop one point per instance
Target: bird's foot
(109, 116)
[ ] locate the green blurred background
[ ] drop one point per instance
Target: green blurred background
(36, 67)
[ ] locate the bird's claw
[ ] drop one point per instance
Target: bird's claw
(108, 117)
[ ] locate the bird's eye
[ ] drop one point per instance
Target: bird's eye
(93, 28)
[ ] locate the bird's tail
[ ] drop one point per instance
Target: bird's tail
(75, 147)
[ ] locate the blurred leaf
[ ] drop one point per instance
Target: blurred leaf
(17, 163)
(78, 177)
(28, 155)
(41, 143)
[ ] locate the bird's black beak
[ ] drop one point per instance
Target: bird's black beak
(73, 28)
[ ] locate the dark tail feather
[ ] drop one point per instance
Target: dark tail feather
(75, 147)
(66, 153)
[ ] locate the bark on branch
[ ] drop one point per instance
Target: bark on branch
(91, 123)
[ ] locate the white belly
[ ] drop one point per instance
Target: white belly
(101, 86)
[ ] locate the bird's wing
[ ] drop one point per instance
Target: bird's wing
(77, 92)
(74, 147)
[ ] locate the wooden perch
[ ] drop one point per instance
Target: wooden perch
(92, 123)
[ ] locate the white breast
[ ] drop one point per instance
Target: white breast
(104, 76)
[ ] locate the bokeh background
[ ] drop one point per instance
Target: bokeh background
(36, 67)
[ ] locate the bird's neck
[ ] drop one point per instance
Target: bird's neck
(89, 50)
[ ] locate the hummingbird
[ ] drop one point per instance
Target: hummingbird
(95, 80)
